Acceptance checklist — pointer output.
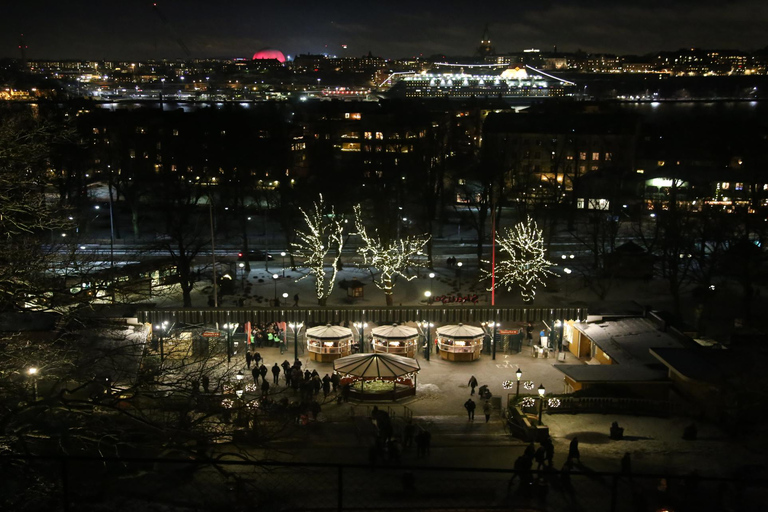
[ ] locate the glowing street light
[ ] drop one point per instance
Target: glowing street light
(32, 371)
(519, 375)
(282, 254)
(542, 391)
(275, 277)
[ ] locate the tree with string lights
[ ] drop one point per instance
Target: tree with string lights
(525, 265)
(323, 240)
(392, 259)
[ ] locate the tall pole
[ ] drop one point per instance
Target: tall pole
(229, 344)
(429, 342)
(493, 340)
(295, 342)
(493, 257)
(112, 239)
(213, 257)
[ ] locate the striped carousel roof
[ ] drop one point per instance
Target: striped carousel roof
(375, 365)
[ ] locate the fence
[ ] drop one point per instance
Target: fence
(612, 405)
(184, 485)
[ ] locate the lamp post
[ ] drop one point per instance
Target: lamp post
(239, 376)
(296, 327)
(458, 272)
(428, 295)
(431, 280)
(567, 274)
(360, 326)
(32, 371)
(518, 374)
(229, 328)
(282, 254)
(542, 391)
(275, 277)
(427, 346)
(163, 330)
(242, 274)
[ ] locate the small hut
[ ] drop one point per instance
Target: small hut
(460, 342)
(377, 376)
(395, 339)
(326, 343)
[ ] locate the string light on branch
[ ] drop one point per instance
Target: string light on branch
(227, 403)
(553, 403)
(524, 263)
(508, 384)
(251, 388)
(528, 402)
(528, 385)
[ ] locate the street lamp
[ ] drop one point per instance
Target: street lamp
(229, 328)
(518, 374)
(567, 256)
(296, 327)
(458, 272)
(239, 393)
(428, 295)
(427, 346)
(431, 280)
(275, 277)
(541, 401)
(33, 373)
(239, 376)
(360, 326)
(242, 274)
(282, 254)
(163, 330)
(495, 326)
(567, 274)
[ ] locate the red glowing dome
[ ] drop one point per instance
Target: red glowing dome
(269, 53)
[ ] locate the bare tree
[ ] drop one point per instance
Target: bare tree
(324, 238)
(526, 264)
(392, 259)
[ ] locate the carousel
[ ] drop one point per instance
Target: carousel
(460, 342)
(395, 339)
(377, 376)
(327, 343)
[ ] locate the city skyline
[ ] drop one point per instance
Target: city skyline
(136, 30)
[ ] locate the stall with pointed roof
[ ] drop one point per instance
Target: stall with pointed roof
(459, 342)
(377, 376)
(327, 343)
(395, 339)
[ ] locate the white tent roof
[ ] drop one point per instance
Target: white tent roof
(394, 332)
(375, 365)
(460, 331)
(329, 332)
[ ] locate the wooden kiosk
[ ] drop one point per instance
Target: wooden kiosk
(395, 339)
(460, 342)
(378, 376)
(327, 343)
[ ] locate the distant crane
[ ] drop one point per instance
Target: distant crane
(170, 29)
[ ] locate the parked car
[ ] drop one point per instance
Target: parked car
(254, 255)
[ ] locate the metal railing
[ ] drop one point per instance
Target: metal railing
(79, 484)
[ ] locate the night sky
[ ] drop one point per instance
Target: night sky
(91, 29)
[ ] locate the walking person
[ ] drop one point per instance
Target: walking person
(326, 386)
(255, 372)
(540, 457)
(469, 405)
(335, 379)
(248, 358)
(275, 373)
(487, 410)
(286, 367)
(296, 300)
(264, 389)
(549, 447)
(472, 384)
(573, 450)
(257, 358)
(263, 372)
(626, 464)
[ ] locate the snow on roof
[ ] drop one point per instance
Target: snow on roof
(628, 340)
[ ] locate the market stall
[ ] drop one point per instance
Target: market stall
(377, 376)
(460, 342)
(326, 343)
(395, 339)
